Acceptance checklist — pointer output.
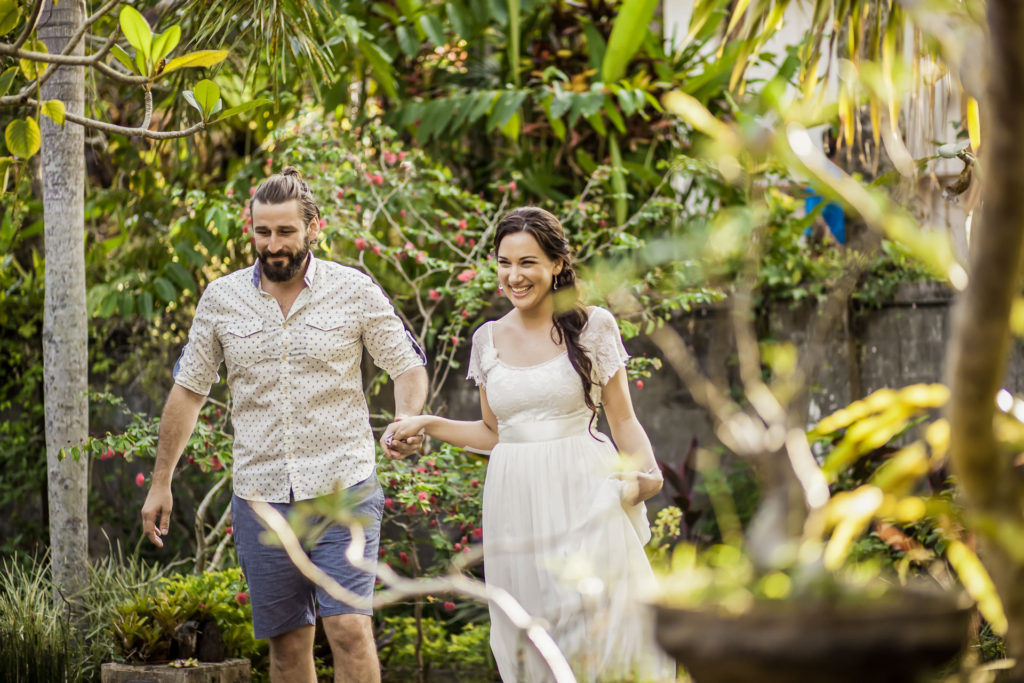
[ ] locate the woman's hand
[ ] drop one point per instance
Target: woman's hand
(404, 436)
(638, 486)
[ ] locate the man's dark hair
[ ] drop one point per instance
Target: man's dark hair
(283, 187)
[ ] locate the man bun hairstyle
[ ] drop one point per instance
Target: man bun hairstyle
(570, 316)
(286, 186)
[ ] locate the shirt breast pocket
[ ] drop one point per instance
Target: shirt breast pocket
(245, 343)
(330, 338)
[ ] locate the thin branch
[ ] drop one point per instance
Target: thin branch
(30, 25)
(119, 130)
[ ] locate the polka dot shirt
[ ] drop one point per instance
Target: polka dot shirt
(300, 416)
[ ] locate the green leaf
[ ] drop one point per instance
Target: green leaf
(191, 99)
(125, 304)
(618, 180)
(612, 112)
(380, 63)
(431, 25)
(506, 105)
(165, 43)
(164, 289)
(196, 59)
(122, 56)
(242, 108)
(408, 41)
(181, 276)
(30, 67)
(596, 46)
(631, 27)
(137, 31)
(145, 305)
(55, 110)
(459, 19)
(10, 14)
(23, 138)
(6, 78)
(207, 94)
(108, 305)
(511, 128)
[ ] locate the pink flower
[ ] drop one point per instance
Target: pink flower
(140, 479)
(460, 239)
(639, 384)
(434, 295)
(408, 246)
(512, 186)
(245, 229)
(422, 495)
(455, 341)
(421, 257)
(478, 534)
(359, 208)
(466, 275)
(375, 249)
(107, 454)
(360, 243)
(216, 464)
(402, 213)
(323, 223)
(449, 606)
(465, 313)
(463, 224)
(341, 193)
(230, 192)
(458, 547)
(401, 155)
(252, 191)
(501, 189)
(390, 157)
(241, 597)
(389, 504)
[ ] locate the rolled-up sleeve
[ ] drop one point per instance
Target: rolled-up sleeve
(392, 347)
(196, 369)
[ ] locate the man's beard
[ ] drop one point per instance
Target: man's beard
(285, 271)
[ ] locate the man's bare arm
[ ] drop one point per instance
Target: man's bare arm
(181, 411)
(410, 395)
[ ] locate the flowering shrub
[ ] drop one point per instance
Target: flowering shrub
(466, 652)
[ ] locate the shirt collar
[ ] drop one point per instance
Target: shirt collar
(307, 277)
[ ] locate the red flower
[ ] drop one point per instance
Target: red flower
(466, 275)
(465, 313)
(422, 495)
(449, 606)
(323, 223)
(191, 460)
(252, 191)
(455, 341)
(472, 243)
(380, 553)
(389, 504)
(375, 249)
(474, 483)
(501, 189)
(360, 243)
(245, 229)
(639, 384)
(402, 213)
(341, 193)
(404, 558)
(241, 597)
(434, 295)
(229, 530)
(478, 534)
(512, 186)
(463, 224)
(140, 479)
(107, 454)
(464, 540)
(216, 464)
(411, 509)
(359, 208)
(433, 522)
(401, 155)
(458, 547)
(460, 239)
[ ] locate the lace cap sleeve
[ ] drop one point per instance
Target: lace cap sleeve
(603, 341)
(482, 356)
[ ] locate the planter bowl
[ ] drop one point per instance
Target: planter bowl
(883, 641)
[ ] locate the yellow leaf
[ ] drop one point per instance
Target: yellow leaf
(973, 123)
(55, 110)
(978, 584)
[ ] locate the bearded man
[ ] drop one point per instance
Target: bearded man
(291, 330)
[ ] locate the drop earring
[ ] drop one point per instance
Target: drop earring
(554, 284)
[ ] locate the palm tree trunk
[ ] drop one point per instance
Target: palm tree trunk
(65, 323)
(981, 328)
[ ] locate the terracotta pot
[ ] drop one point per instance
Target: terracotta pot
(883, 641)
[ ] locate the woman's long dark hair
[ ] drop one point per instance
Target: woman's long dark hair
(569, 316)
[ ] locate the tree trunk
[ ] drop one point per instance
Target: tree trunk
(65, 323)
(981, 332)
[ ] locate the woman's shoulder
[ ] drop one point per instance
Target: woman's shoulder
(599, 321)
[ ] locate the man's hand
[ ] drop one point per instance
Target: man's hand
(156, 514)
(403, 437)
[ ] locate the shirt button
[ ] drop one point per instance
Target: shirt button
(284, 356)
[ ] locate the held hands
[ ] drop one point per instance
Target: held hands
(404, 436)
(156, 514)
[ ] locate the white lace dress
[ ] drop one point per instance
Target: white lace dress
(556, 535)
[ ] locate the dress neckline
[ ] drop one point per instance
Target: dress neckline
(490, 339)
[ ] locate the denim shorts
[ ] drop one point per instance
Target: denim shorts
(282, 598)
